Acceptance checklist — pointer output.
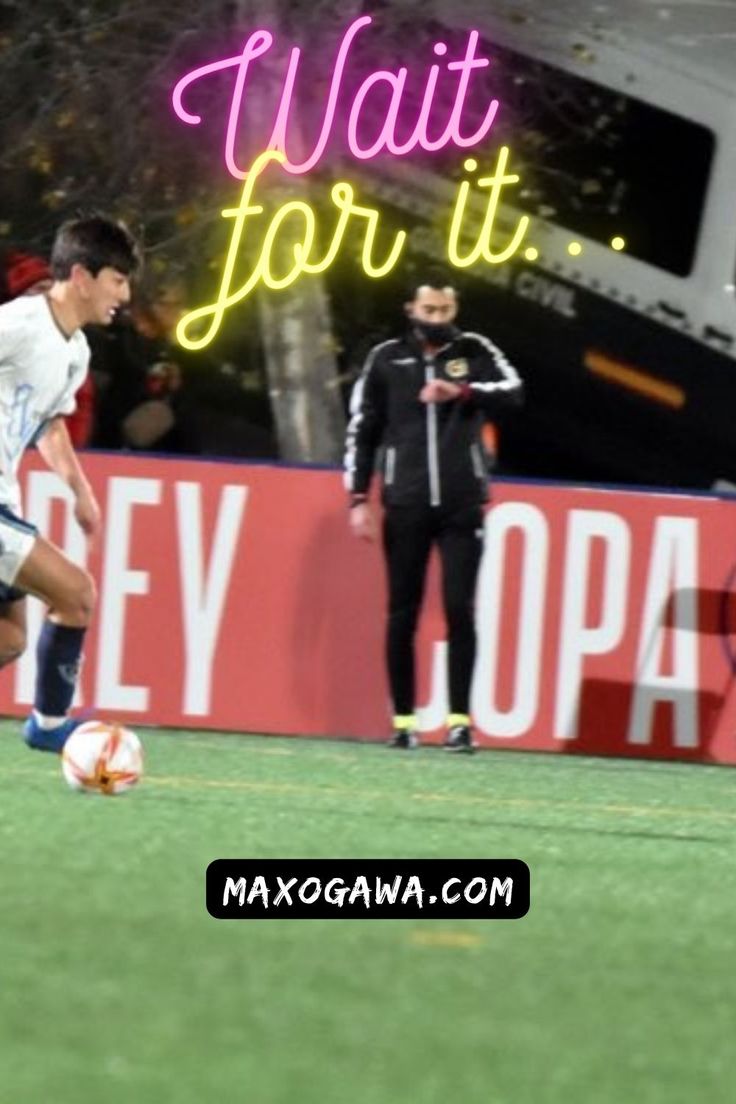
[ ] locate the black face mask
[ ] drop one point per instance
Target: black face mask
(435, 333)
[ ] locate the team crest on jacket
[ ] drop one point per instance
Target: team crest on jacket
(457, 369)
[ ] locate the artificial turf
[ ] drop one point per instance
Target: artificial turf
(116, 985)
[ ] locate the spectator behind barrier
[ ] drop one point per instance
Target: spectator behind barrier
(154, 396)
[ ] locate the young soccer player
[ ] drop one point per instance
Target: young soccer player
(44, 359)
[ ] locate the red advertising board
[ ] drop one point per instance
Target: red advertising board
(234, 597)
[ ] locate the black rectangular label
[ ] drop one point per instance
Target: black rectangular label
(350, 889)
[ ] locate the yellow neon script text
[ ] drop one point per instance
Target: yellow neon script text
(482, 247)
(343, 198)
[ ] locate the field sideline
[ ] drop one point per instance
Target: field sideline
(117, 986)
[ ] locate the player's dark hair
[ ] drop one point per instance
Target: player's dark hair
(436, 278)
(95, 242)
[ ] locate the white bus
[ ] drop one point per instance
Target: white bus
(620, 129)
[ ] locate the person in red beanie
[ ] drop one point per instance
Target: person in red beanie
(24, 274)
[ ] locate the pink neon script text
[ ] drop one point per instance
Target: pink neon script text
(261, 41)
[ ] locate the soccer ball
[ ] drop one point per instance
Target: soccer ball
(102, 758)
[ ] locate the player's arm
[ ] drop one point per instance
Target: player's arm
(494, 383)
(58, 453)
(364, 435)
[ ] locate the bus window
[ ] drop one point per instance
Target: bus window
(603, 164)
(591, 159)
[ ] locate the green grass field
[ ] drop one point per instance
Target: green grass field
(618, 986)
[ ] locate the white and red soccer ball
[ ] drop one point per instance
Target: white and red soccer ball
(102, 758)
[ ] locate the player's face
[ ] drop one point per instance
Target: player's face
(433, 305)
(105, 294)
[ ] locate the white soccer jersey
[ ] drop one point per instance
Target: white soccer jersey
(40, 372)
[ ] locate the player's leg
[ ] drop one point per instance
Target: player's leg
(461, 545)
(12, 625)
(69, 593)
(16, 541)
(407, 542)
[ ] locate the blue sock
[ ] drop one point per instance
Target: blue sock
(57, 667)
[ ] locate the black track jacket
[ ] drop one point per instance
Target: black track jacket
(433, 452)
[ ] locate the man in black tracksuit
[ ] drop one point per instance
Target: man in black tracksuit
(422, 398)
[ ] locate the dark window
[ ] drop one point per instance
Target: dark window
(601, 163)
(592, 160)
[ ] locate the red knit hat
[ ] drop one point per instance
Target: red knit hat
(23, 270)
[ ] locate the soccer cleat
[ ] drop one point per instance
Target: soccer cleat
(48, 739)
(404, 738)
(460, 738)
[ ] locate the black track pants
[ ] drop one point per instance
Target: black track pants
(408, 535)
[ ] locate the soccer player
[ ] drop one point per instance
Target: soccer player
(422, 398)
(44, 359)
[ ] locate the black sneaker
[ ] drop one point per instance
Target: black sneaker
(459, 738)
(404, 738)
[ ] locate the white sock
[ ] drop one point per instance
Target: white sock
(47, 723)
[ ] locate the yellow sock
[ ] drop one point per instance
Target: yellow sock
(455, 719)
